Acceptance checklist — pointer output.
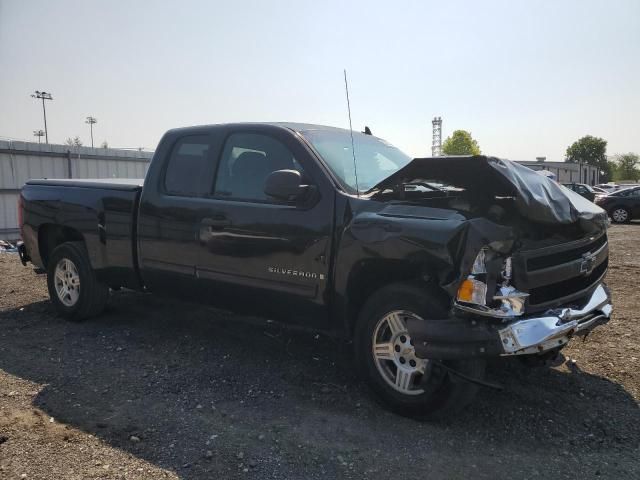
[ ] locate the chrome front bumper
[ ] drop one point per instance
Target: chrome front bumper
(556, 327)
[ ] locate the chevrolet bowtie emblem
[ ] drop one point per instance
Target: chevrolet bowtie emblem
(588, 263)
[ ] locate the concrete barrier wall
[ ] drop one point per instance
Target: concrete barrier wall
(21, 161)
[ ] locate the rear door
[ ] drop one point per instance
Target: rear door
(259, 254)
(634, 203)
(173, 204)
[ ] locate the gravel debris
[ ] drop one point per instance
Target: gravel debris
(143, 367)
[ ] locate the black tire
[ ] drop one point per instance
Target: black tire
(443, 393)
(623, 217)
(93, 295)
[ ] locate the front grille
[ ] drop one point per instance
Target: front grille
(546, 261)
(555, 275)
(550, 292)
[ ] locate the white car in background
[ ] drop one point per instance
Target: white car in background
(608, 187)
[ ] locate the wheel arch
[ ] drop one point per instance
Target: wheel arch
(374, 275)
(616, 206)
(51, 235)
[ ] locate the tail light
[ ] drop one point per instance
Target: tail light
(21, 214)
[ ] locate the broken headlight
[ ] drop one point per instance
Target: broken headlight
(487, 290)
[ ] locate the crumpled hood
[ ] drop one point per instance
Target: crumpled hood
(537, 198)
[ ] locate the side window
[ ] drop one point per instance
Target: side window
(247, 160)
(188, 167)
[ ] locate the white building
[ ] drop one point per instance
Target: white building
(566, 172)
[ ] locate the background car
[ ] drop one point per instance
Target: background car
(582, 189)
(622, 205)
(608, 187)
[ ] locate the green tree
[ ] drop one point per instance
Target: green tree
(460, 143)
(627, 166)
(590, 150)
(74, 142)
(610, 173)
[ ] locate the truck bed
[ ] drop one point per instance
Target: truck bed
(127, 184)
(100, 212)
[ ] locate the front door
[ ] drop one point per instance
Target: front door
(265, 256)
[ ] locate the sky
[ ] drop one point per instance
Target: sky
(526, 78)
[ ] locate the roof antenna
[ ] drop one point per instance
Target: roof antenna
(353, 151)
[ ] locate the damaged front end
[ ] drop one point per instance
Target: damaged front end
(530, 268)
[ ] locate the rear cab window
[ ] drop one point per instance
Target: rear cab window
(189, 167)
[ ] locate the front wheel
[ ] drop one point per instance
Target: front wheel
(409, 385)
(73, 287)
(620, 215)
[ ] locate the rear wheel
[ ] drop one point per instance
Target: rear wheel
(73, 287)
(620, 215)
(409, 385)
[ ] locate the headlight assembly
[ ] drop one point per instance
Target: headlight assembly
(490, 270)
(473, 291)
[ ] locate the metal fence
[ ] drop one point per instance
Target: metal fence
(21, 161)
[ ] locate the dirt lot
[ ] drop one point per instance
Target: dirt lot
(160, 389)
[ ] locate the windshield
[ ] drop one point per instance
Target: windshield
(375, 158)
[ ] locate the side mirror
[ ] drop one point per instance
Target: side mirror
(285, 185)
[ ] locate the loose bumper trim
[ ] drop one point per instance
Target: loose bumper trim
(481, 337)
(556, 327)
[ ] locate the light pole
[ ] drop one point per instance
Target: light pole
(91, 121)
(39, 134)
(44, 96)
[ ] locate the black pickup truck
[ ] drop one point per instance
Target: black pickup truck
(430, 265)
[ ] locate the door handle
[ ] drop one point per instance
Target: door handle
(217, 222)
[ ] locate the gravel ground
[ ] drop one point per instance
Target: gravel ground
(155, 388)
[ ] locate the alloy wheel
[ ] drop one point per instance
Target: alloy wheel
(67, 282)
(395, 356)
(620, 215)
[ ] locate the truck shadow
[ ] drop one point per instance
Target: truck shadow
(207, 394)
